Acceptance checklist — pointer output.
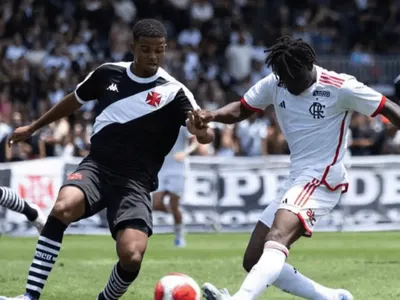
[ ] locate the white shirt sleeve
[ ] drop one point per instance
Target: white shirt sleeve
(356, 96)
(260, 95)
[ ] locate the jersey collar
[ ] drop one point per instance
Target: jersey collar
(142, 79)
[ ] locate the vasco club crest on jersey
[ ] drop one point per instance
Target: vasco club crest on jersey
(153, 99)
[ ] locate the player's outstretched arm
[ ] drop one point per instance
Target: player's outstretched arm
(62, 109)
(391, 111)
(228, 114)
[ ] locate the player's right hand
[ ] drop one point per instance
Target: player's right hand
(202, 118)
(20, 134)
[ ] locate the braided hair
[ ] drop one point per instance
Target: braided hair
(289, 54)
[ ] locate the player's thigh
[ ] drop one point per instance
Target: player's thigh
(300, 209)
(174, 184)
(130, 207)
(131, 245)
(158, 201)
(81, 195)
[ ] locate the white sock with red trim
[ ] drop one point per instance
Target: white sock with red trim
(264, 273)
(295, 283)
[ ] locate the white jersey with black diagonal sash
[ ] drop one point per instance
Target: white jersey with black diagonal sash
(138, 119)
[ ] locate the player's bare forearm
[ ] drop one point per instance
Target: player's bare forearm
(62, 109)
(392, 111)
(231, 113)
(207, 138)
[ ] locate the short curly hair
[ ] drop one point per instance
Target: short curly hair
(149, 28)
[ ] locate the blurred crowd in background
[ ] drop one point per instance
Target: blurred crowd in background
(215, 47)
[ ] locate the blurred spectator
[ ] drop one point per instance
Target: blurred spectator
(391, 138)
(15, 50)
(190, 36)
(252, 135)
(226, 143)
(238, 59)
(201, 11)
(361, 56)
(364, 136)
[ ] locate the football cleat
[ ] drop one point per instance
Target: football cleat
(40, 220)
(180, 242)
(210, 292)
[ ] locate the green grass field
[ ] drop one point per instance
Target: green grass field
(365, 263)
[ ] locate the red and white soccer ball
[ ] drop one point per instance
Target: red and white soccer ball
(176, 286)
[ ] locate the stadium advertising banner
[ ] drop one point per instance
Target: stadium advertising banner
(224, 194)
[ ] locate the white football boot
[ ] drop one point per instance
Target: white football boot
(210, 292)
(343, 295)
(40, 220)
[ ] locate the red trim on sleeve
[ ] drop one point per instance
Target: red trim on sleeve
(249, 107)
(381, 105)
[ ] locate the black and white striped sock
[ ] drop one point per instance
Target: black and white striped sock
(10, 199)
(47, 249)
(118, 284)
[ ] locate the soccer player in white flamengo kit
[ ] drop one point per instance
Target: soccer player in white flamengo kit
(314, 108)
(172, 180)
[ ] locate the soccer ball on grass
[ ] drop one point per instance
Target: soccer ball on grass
(177, 286)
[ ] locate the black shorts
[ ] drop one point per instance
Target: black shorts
(128, 201)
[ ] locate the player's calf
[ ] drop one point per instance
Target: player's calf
(285, 230)
(69, 204)
(178, 220)
(131, 247)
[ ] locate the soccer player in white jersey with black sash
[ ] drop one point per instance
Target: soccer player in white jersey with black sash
(314, 118)
(172, 182)
(140, 111)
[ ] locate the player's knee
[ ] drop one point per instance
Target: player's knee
(64, 212)
(131, 258)
(68, 208)
(275, 235)
(159, 206)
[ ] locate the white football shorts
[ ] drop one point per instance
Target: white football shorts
(171, 182)
(310, 202)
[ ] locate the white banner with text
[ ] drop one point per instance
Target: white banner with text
(223, 194)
